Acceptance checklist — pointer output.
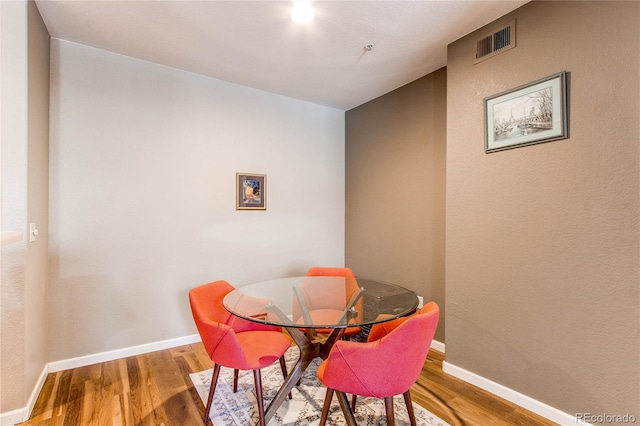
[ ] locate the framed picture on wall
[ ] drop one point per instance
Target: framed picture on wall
(530, 114)
(251, 191)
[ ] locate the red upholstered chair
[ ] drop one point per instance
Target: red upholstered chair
(326, 303)
(234, 342)
(387, 365)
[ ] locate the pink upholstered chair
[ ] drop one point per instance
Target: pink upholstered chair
(326, 303)
(234, 342)
(387, 365)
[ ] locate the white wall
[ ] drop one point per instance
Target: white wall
(36, 273)
(25, 140)
(14, 201)
(142, 207)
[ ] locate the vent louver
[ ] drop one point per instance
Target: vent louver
(495, 42)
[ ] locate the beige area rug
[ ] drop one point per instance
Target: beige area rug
(239, 409)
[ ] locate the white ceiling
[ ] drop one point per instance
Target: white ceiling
(255, 44)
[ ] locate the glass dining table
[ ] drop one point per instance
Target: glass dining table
(316, 312)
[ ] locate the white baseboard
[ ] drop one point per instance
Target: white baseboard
(121, 353)
(11, 418)
(22, 414)
(522, 400)
(438, 346)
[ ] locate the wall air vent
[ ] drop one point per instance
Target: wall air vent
(497, 41)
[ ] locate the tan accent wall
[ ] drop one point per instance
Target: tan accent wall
(542, 244)
(395, 171)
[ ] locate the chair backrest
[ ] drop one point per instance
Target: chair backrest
(206, 301)
(334, 294)
(211, 320)
(380, 330)
(326, 294)
(387, 366)
(323, 271)
(217, 327)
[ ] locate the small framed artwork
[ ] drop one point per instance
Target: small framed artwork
(251, 191)
(530, 114)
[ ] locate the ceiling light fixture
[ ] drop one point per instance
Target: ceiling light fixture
(302, 12)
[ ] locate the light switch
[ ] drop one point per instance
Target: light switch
(33, 232)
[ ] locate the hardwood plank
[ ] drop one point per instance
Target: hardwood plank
(73, 407)
(154, 413)
(171, 387)
(522, 417)
(45, 403)
(46, 399)
(193, 394)
(135, 397)
(62, 391)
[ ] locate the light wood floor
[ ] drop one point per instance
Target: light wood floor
(155, 389)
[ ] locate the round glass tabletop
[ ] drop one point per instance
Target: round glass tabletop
(321, 302)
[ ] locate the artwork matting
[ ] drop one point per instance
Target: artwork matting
(251, 191)
(530, 114)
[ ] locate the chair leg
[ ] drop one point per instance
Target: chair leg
(353, 402)
(257, 378)
(407, 401)
(388, 408)
(235, 380)
(212, 390)
(346, 409)
(326, 406)
(283, 367)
